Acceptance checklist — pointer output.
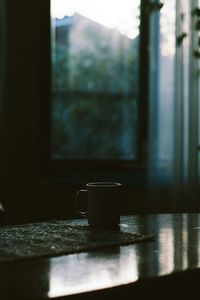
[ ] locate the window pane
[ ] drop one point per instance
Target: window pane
(95, 79)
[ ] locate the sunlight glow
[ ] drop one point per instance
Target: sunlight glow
(122, 15)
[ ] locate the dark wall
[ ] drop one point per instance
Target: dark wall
(23, 194)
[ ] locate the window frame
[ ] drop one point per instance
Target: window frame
(77, 171)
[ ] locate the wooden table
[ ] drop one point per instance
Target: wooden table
(160, 268)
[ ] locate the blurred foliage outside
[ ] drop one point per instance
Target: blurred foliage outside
(95, 91)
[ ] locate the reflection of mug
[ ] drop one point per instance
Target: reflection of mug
(103, 204)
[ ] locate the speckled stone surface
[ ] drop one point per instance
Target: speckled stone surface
(57, 237)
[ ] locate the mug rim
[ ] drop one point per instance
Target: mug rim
(103, 184)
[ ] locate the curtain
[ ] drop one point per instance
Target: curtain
(174, 102)
(161, 127)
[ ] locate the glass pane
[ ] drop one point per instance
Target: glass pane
(94, 79)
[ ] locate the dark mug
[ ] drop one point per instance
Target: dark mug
(102, 205)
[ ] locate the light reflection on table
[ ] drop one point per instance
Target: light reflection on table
(121, 268)
(170, 252)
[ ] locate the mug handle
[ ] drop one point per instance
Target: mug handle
(82, 213)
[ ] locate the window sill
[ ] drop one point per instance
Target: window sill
(129, 177)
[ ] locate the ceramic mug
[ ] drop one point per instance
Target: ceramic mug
(102, 204)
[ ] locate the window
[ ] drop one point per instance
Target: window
(95, 66)
(99, 110)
